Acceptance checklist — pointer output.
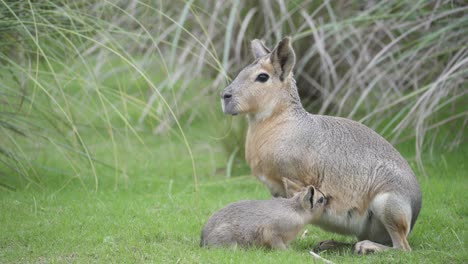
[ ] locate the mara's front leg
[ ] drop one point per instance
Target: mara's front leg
(274, 185)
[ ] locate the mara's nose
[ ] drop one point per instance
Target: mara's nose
(226, 95)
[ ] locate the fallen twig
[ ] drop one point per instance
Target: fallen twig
(316, 256)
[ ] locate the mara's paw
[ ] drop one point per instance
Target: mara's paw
(330, 245)
(367, 246)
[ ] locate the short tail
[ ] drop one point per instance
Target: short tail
(202, 240)
(415, 208)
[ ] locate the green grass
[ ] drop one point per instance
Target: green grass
(152, 214)
(86, 84)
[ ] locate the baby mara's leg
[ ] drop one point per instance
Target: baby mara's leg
(269, 238)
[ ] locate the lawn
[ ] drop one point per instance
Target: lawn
(150, 212)
(113, 147)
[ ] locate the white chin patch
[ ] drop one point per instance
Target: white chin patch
(222, 106)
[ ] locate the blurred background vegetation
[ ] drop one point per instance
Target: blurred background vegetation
(88, 83)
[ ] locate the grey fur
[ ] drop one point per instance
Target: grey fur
(263, 223)
(374, 194)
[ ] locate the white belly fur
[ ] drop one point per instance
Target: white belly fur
(353, 223)
(343, 224)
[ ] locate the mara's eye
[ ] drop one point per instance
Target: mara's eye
(262, 77)
(320, 200)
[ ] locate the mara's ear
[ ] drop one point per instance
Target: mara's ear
(283, 58)
(309, 197)
(259, 49)
(291, 187)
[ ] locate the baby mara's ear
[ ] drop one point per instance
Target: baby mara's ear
(291, 187)
(309, 197)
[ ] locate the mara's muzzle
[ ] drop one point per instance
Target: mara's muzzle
(227, 103)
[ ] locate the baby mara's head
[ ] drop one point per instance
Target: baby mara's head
(311, 200)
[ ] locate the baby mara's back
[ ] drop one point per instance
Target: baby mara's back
(264, 223)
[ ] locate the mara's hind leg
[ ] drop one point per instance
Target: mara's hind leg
(221, 241)
(394, 213)
(268, 238)
(277, 243)
(222, 236)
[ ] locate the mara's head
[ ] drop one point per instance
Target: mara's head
(311, 199)
(266, 85)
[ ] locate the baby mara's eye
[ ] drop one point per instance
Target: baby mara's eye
(320, 201)
(262, 77)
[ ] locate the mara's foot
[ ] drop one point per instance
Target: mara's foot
(330, 245)
(367, 246)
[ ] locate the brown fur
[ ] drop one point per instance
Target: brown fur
(372, 192)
